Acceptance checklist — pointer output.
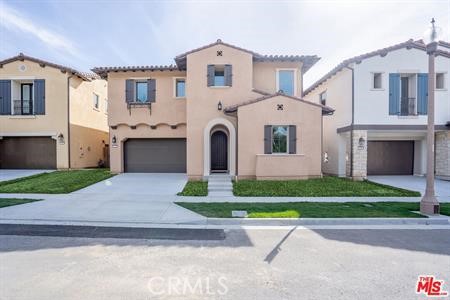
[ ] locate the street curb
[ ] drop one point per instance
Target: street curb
(328, 221)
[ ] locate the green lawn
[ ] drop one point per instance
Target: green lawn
(195, 188)
(321, 187)
(308, 209)
(58, 182)
(445, 209)
(4, 202)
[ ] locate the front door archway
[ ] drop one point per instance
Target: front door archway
(219, 151)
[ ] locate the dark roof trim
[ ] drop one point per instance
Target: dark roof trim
(103, 71)
(444, 44)
(43, 63)
(389, 127)
(409, 44)
(234, 108)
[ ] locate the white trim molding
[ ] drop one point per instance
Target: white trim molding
(231, 145)
(278, 81)
(175, 78)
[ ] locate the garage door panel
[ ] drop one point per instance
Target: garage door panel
(155, 155)
(390, 157)
(27, 153)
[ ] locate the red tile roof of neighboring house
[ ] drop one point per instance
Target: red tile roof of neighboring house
(43, 63)
(409, 44)
(233, 108)
(103, 71)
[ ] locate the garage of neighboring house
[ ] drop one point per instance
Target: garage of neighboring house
(156, 155)
(390, 157)
(27, 153)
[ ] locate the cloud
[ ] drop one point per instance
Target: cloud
(11, 19)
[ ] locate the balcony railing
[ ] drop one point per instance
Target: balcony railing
(23, 107)
(408, 107)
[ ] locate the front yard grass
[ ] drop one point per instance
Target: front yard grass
(4, 202)
(321, 187)
(58, 182)
(308, 209)
(195, 188)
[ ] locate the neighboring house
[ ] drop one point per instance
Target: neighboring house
(381, 106)
(51, 116)
(218, 110)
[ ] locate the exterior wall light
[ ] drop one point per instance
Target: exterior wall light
(114, 140)
(61, 140)
(361, 143)
(219, 106)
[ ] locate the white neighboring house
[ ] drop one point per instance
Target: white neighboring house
(380, 101)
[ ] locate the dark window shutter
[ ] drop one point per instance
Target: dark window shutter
(267, 139)
(210, 75)
(5, 97)
(228, 75)
(292, 139)
(129, 90)
(151, 90)
(422, 93)
(39, 97)
(394, 94)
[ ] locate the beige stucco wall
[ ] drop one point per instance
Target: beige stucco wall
(252, 162)
(339, 97)
(165, 112)
(265, 75)
(54, 121)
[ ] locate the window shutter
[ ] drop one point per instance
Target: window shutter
(394, 93)
(5, 97)
(129, 90)
(210, 75)
(292, 139)
(228, 75)
(39, 97)
(422, 93)
(267, 139)
(151, 90)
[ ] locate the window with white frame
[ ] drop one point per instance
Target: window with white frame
(280, 139)
(180, 87)
(95, 101)
(440, 81)
(141, 91)
(323, 98)
(286, 81)
(377, 81)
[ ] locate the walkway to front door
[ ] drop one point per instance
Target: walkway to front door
(219, 152)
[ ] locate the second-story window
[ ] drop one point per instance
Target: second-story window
(95, 100)
(440, 82)
(219, 75)
(180, 87)
(286, 82)
(323, 98)
(377, 81)
(141, 91)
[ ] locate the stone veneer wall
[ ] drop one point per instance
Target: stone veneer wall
(443, 154)
(359, 156)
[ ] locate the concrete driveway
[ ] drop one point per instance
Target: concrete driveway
(415, 183)
(8, 174)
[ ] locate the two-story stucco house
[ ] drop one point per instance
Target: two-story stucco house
(218, 110)
(379, 126)
(51, 116)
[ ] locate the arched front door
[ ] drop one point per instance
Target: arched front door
(219, 152)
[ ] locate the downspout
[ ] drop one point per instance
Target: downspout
(353, 120)
(68, 118)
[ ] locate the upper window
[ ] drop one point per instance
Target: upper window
(96, 101)
(377, 81)
(219, 76)
(279, 139)
(180, 87)
(141, 91)
(323, 98)
(440, 82)
(286, 82)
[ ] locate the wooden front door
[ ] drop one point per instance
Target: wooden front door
(219, 152)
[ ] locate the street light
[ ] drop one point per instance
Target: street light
(429, 204)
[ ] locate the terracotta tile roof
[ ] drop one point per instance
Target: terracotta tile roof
(409, 44)
(103, 71)
(43, 63)
(233, 108)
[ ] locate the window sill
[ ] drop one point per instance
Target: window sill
(179, 98)
(409, 117)
(440, 90)
(220, 87)
(377, 90)
(22, 116)
(281, 155)
(96, 109)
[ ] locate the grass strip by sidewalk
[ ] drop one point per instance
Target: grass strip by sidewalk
(4, 202)
(321, 187)
(307, 209)
(195, 188)
(58, 182)
(445, 209)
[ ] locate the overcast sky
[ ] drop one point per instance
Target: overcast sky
(84, 34)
